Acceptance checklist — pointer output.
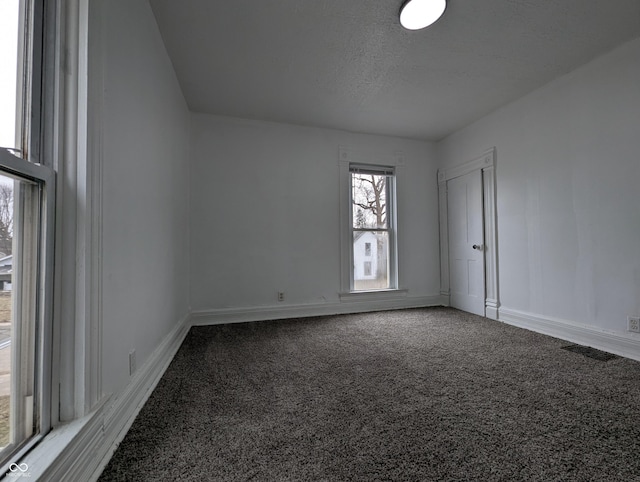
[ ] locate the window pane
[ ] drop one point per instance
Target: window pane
(6, 306)
(9, 21)
(369, 198)
(19, 235)
(370, 272)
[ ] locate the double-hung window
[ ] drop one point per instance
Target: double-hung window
(373, 233)
(27, 195)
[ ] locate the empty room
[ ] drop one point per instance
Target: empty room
(320, 240)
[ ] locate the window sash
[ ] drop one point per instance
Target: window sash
(390, 187)
(375, 170)
(31, 320)
(387, 230)
(29, 105)
(34, 205)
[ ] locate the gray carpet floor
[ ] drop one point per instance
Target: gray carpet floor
(423, 394)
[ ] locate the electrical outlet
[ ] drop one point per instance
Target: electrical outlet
(132, 362)
(280, 295)
(634, 324)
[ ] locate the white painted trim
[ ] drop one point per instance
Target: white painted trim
(377, 295)
(95, 127)
(264, 313)
(77, 356)
(487, 159)
(486, 163)
(444, 240)
(86, 362)
(345, 218)
(59, 453)
(573, 332)
(491, 285)
(491, 308)
(77, 317)
(345, 157)
(80, 450)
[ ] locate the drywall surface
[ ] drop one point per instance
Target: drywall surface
(568, 197)
(145, 192)
(265, 212)
(348, 64)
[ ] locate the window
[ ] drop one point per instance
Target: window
(26, 235)
(373, 228)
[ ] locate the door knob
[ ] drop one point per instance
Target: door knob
(477, 246)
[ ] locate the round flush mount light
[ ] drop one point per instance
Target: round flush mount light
(417, 14)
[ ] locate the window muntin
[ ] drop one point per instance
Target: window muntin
(372, 196)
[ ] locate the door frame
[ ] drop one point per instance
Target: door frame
(486, 164)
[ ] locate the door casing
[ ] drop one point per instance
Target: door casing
(486, 163)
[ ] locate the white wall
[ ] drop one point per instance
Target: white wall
(265, 213)
(568, 175)
(145, 191)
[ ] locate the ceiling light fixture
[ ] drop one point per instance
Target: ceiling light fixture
(417, 14)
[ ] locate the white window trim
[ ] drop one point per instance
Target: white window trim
(74, 87)
(345, 159)
(79, 161)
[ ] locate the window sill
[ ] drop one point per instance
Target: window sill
(56, 453)
(393, 294)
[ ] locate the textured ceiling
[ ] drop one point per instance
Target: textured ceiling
(348, 64)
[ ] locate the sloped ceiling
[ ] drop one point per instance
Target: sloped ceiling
(348, 64)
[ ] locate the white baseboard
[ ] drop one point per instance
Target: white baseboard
(616, 343)
(120, 415)
(263, 313)
(491, 308)
(79, 451)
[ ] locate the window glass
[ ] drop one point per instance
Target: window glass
(373, 239)
(369, 198)
(371, 273)
(9, 22)
(19, 258)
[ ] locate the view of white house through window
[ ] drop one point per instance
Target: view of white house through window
(372, 226)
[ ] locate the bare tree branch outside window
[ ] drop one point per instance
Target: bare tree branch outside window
(6, 219)
(369, 199)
